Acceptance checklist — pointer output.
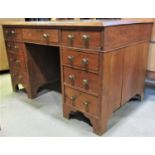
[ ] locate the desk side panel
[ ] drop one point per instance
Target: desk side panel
(125, 35)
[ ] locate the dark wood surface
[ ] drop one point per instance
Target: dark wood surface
(100, 65)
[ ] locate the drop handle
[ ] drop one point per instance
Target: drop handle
(86, 105)
(13, 74)
(6, 32)
(20, 76)
(85, 61)
(70, 37)
(71, 78)
(13, 32)
(16, 47)
(17, 61)
(85, 83)
(73, 99)
(70, 58)
(45, 35)
(9, 46)
(85, 37)
(11, 59)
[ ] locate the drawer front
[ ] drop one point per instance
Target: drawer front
(81, 39)
(79, 59)
(41, 35)
(17, 62)
(82, 101)
(82, 80)
(13, 34)
(14, 47)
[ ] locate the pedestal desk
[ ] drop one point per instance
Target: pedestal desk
(100, 64)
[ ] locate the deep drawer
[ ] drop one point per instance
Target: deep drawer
(83, 102)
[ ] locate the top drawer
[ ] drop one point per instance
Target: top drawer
(81, 39)
(41, 35)
(13, 34)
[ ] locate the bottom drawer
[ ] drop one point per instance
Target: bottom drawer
(82, 101)
(19, 77)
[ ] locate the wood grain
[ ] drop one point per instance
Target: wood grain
(135, 63)
(78, 41)
(78, 56)
(120, 36)
(117, 59)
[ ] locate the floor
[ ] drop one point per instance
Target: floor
(20, 116)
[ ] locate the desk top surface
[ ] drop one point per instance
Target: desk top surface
(84, 23)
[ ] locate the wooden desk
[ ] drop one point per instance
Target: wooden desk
(102, 64)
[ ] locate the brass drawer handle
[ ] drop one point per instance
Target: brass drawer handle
(85, 37)
(6, 32)
(86, 105)
(70, 58)
(85, 61)
(20, 76)
(73, 99)
(16, 47)
(11, 59)
(70, 37)
(13, 74)
(71, 78)
(17, 61)
(45, 35)
(13, 32)
(9, 46)
(85, 83)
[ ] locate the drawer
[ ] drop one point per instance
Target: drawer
(14, 47)
(13, 34)
(79, 59)
(81, 101)
(17, 62)
(41, 35)
(82, 80)
(81, 39)
(19, 77)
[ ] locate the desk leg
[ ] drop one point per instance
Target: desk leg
(31, 93)
(15, 87)
(99, 125)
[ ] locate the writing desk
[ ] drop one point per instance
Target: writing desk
(100, 64)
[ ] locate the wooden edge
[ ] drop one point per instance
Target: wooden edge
(77, 23)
